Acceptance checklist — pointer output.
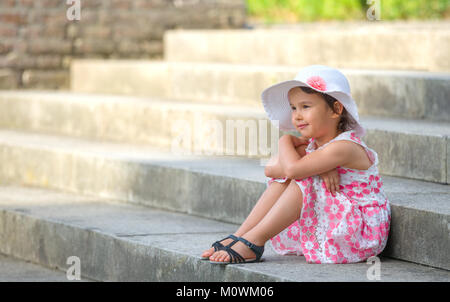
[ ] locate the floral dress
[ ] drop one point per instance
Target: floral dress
(349, 227)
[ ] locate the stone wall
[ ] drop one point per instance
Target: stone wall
(38, 41)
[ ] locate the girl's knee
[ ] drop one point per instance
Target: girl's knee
(295, 186)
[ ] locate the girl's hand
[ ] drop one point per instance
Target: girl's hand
(299, 141)
(295, 141)
(332, 180)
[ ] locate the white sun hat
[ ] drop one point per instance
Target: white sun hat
(318, 77)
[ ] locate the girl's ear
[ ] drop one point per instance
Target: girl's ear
(338, 108)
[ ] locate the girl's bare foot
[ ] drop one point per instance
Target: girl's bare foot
(239, 247)
(211, 251)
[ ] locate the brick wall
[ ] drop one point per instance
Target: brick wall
(38, 41)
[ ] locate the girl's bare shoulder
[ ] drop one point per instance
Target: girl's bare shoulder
(357, 157)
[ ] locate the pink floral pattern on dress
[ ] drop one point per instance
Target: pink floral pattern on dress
(334, 209)
(333, 250)
(357, 189)
(308, 222)
(346, 228)
(355, 138)
(375, 179)
(309, 245)
(294, 232)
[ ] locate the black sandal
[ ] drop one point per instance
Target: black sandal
(219, 246)
(236, 258)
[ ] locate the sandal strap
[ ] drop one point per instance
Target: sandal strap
(217, 245)
(258, 250)
(235, 257)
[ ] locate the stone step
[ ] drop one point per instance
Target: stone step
(214, 187)
(387, 93)
(415, 149)
(429, 25)
(366, 47)
(116, 241)
(17, 270)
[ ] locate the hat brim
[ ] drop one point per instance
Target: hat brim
(276, 104)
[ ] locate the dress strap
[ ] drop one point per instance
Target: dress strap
(312, 144)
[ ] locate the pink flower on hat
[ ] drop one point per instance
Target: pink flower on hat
(317, 82)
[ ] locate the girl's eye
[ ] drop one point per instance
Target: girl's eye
(304, 106)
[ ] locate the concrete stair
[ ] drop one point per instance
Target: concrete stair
(214, 187)
(181, 126)
(19, 270)
(387, 93)
(116, 241)
(104, 172)
(375, 46)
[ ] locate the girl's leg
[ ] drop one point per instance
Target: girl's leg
(285, 211)
(264, 204)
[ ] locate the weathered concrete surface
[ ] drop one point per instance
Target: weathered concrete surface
(220, 188)
(388, 93)
(377, 47)
(410, 148)
(129, 77)
(16, 270)
(406, 148)
(122, 242)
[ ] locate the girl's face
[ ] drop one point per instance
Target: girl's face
(311, 115)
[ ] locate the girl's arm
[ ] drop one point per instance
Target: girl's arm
(286, 147)
(315, 163)
(330, 177)
(274, 169)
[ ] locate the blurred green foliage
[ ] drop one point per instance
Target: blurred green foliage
(291, 11)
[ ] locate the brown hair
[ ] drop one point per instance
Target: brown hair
(345, 122)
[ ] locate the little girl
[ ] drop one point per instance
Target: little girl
(324, 198)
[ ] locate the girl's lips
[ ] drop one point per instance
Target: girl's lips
(302, 126)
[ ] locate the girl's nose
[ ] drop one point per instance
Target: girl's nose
(298, 116)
